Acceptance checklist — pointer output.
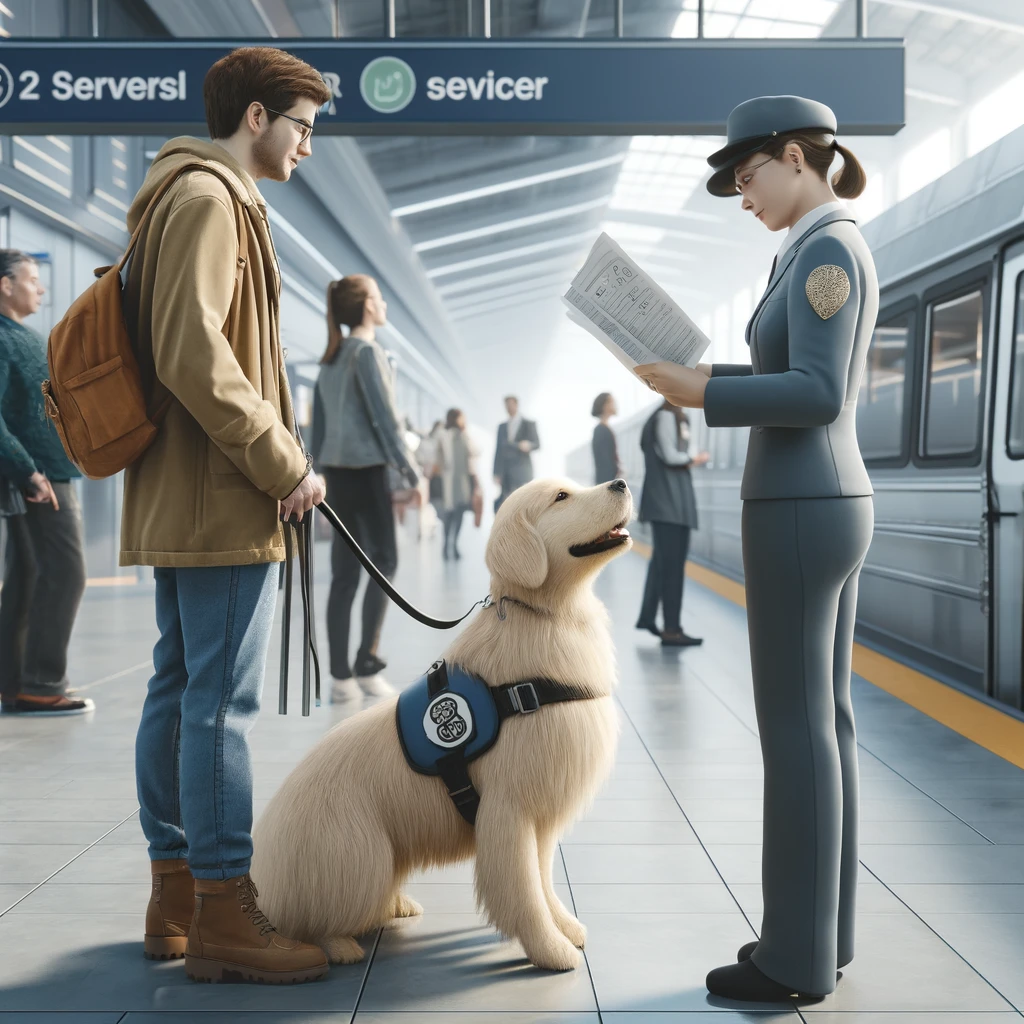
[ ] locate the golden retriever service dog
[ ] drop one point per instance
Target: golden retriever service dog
(352, 821)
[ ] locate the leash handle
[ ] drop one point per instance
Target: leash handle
(383, 582)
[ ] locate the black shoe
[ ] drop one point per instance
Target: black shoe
(746, 951)
(369, 665)
(650, 627)
(680, 640)
(745, 983)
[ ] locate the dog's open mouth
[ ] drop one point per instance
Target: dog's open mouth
(612, 539)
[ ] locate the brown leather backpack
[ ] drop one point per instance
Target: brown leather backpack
(94, 395)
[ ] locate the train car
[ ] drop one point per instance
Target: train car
(941, 426)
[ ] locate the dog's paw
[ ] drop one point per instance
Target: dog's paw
(406, 906)
(557, 954)
(343, 950)
(573, 930)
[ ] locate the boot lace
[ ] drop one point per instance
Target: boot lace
(248, 894)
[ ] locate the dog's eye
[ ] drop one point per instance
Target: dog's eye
(561, 495)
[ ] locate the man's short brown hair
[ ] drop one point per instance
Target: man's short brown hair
(257, 74)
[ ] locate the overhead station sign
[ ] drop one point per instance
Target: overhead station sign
(581, 87)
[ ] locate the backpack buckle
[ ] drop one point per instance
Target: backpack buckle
(523, 697)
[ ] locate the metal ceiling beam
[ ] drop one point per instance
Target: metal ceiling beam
(489, 308)
(684, 236)
(224, 19)
(545, 215)
(512, 254)
(478, 282)
(400, 163)
(527, 240)
(547, 284)
(1007, 17)
(430, 198)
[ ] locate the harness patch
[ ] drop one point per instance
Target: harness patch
(448, 721)
(448, 718)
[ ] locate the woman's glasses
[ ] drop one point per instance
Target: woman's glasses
(744, 179)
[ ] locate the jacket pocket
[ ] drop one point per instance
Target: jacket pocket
(224, 474)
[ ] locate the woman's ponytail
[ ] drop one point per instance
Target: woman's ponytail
(850, 180)
(334, 335)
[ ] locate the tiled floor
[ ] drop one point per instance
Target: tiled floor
(664, 871)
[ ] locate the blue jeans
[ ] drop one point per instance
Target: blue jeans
(192, 762)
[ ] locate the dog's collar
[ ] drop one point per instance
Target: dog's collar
(499, 606)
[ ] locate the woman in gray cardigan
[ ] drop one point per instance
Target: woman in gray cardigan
(357, 435)
(806, 526)
(668, 504)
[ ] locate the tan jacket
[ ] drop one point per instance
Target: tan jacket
(205, 319)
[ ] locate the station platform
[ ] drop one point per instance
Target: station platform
(664, 870)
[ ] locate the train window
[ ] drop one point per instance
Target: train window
(1015, 441)
(952, 420)
(881, 397)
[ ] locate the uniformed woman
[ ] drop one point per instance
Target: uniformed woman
(807, 522)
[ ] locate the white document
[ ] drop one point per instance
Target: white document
(615, 301)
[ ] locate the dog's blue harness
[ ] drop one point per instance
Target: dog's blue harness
(448, 718)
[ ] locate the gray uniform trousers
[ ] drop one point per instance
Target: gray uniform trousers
(801, 561)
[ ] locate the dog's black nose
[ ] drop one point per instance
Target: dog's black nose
(617, 485)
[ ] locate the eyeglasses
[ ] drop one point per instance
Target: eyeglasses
(749, 173)
(307, 128)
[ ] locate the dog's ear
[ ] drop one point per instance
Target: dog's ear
(516, 552)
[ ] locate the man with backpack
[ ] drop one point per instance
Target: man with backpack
(203, 505)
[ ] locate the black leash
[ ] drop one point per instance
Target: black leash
(304, 542)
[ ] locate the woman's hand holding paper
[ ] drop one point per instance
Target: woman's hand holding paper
(680, 385)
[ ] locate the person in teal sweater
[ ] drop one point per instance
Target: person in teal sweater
(44, 564)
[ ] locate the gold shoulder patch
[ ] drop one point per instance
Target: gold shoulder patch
(827, 289)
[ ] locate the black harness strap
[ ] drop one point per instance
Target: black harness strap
(511, 699)
(526, 697)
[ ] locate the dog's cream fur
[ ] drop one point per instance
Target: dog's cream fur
(352, 821)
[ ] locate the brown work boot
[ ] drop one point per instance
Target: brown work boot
(232, 940)
(169, 913)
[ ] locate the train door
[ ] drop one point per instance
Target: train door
(1006, 491)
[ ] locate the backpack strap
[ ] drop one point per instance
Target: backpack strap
(161, 411)
(161, 192)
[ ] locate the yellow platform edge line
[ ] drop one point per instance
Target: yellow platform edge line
(988, 727)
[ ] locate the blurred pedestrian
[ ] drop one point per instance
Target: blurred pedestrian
(513, 465)
(44, 564)
(668, 504)
(457, 462)
(606, 452)
(359, 436)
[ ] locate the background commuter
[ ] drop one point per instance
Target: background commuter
(359, 436)
(457, 458)
(44, 566)
(203, 505)
(668, 504)
(517, 438)
(606, 453)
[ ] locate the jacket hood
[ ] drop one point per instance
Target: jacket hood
(176, 154)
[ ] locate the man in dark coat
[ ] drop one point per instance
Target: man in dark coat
(517, 438)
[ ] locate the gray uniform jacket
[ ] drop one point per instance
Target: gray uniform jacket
(355, 419)
(800, 392)
(667, 496)
(515, 467)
